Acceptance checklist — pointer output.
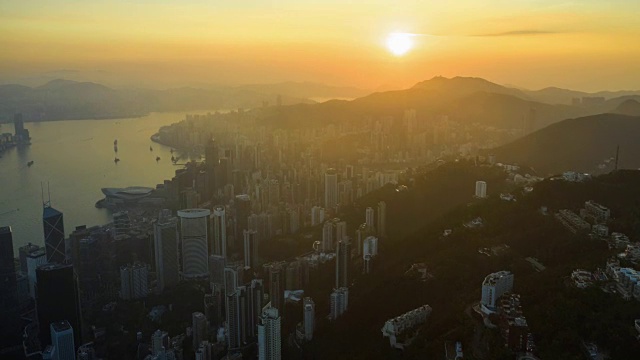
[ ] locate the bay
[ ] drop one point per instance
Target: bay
(75, 158)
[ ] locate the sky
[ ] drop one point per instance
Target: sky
(583, 44)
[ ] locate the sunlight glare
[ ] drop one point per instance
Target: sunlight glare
(399, 43)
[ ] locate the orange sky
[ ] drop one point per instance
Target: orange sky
(584, 44)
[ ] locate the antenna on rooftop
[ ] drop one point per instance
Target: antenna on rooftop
(47, 203)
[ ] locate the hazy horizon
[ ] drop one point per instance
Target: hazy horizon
(533, 44)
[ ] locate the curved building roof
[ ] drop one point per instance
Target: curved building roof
(129, 193)
(193, 213)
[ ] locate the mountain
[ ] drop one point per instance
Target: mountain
(555, 95)
(629, 107)
(66, 99)
(466, 100)
(467, 86)
(580, 144)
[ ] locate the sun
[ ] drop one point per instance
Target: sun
(399, 43)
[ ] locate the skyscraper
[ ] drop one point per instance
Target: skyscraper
(159, 340)
(54, 234)
(211, 161)
(343, 259)
(256, 293)
(382, 219)
(57, 299)
(276, 286)
(216, 270)
(165, 236)
(62, 339)
(331, 189)
(481, 189)
(23, 251)
(269, 335)
(237, 305)
(7, 268)
(134, 281)
(219, 226)
(199, 328)
(242, 206)
(369, 218)
(231, 279)
(309, 313)
(34, 260)
(250, 249)
(193, 231)
(327, 236)
(339, 302)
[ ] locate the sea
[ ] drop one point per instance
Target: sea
(72, 161)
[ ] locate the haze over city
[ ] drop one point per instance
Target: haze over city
(228, 180)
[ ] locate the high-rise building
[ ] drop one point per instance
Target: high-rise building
(34, 260)
(242, 207)
(333, 231)
(343, 260)
(7, 267)
(198, 328)
(219, 227)
(23, 251)
(331, 189)
(276, 286)
(250, 249)
(494, 286)
(212, 162)
(382, 219)
(481, 189)
(86, 352)
(62, 340)
(269, 335)
(232, 305)
(309, 320)
(159, 340)
(194, 224)
(216, 270)
(165, 235)
(317, 215)
(57, 298)
(369, 218)
(231, 279)
(53, 223)
(134, 281)
(256, 293)
(339, 302)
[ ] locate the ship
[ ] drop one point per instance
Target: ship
(150, 148)
(30, 163)
(115, 142)
(116, 160)
(157, 158)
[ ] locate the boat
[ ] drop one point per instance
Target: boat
(173, 159)
(150, 148)
(30, 163)
(172, 150)
(115, 142)
(115, 148)
(157, 158)
(116, 160)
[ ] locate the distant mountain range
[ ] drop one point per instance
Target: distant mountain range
(463, 99)
(586, 144)
(65, 99)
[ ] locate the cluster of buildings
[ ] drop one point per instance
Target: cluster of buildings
(401, 330)
(513, 324)
(592, 219)
(20, 135)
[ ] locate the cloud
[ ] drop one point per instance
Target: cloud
(521, 33)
